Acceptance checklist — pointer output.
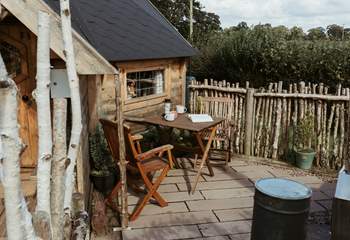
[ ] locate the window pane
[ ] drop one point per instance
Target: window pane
(140, 84)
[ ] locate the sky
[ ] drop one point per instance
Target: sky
(303, 13)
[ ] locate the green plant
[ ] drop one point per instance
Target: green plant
(102, 161)
(304, 133)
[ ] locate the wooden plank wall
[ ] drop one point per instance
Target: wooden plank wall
(83, 162)
(174, 76)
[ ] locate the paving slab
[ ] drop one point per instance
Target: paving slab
(250, 168)
(153, 209)
(213, 238)
(224, 176)
(236, 163)
(315, 207)
(238, 183)
(327, 204)
(181, 179)
(218, 204)
(234, 214)
(182, 196)
(240, 236)
(229, 193)
(168, 188)
(318, 195)
(306, 179)
(173, 219)
(225, 228)
(257, 174)
(163, 233)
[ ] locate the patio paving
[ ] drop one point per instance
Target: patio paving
(222, 206)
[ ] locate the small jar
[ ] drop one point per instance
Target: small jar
(167, 106)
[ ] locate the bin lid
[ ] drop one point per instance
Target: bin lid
(283, 188)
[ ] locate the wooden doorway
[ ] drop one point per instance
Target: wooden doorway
(17, 46)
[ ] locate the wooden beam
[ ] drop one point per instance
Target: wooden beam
(88, 60)
(304, 95)
(3, 13)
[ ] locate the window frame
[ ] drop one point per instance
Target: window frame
(148, 97)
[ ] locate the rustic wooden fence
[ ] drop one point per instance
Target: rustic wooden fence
(265, 119)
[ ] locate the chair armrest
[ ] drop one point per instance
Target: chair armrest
(137, 137)
(154, 151)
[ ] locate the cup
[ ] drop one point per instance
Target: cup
(167, 107)
(171, 116)
(181, 109)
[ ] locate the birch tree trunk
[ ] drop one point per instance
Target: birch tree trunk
(75, 102)
(18, 219)
(42, 96)
(58, 166)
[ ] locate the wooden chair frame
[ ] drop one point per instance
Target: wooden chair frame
(144, 163)
(225, 130)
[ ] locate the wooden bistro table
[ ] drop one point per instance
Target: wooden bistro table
(183, 122)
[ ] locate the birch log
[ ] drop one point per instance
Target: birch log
(75, 102)
(18, 219)
(42, 96)
(122, 163)
(277, 123)
(58, 166)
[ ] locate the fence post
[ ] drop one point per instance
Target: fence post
(249, 111)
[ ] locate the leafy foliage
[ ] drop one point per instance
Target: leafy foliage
(102, 161)
(304, 131)
(178, 12)
(263, 54)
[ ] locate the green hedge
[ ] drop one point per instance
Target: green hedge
(264, 54)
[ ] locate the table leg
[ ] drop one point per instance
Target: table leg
(204, 157)
(203, 149)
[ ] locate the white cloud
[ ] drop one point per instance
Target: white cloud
(304, 13)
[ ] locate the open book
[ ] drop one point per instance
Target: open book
(197, 118)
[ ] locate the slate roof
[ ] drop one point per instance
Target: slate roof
(123, 30)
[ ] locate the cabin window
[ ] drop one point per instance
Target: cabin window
(145, 83)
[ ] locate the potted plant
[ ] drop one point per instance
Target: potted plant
(304, 134)
(103, 169)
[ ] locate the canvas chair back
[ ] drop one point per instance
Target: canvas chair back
(110, 129)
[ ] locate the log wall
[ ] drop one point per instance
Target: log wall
(272, 114)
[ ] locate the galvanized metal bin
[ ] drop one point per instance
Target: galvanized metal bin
(281, 208)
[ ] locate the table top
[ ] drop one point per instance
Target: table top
(182, 122)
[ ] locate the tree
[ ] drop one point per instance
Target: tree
(74, 143)
(18, 219)
(42, 96)
(177, 12)
(335, 32)
(317, 33)
(282, 31)
(296, 33)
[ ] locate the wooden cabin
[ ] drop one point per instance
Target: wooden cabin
(115, 40)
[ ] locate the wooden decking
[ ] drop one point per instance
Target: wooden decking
(29, 189)
(221, 208)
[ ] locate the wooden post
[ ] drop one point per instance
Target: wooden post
(249, 121)
(122, 162)
(58, 166)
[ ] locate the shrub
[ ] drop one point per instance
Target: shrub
(263, 54)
